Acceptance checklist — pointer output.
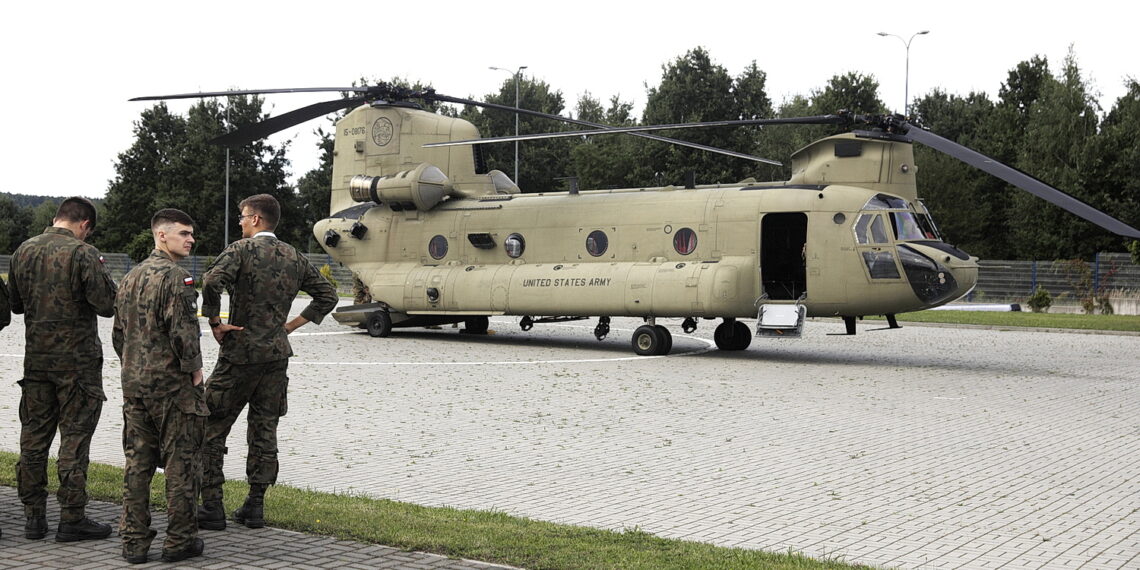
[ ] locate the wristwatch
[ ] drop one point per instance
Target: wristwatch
(214, 325)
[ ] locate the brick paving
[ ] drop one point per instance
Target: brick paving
(924, 447)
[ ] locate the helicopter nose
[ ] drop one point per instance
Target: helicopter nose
(938, 273)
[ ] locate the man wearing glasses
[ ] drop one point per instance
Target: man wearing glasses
(262, 275)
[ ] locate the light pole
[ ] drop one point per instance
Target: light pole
(906, 85)
(516, 75)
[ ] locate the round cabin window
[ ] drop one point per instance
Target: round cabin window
(685, 241)
(437, 247)
(597, 243)
(515, 245)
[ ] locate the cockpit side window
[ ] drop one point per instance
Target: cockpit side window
(870, 228)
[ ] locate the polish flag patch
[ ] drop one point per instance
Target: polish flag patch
(188, 281)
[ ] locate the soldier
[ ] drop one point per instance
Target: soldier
(164, 407)
(263, 276)
(59, 283)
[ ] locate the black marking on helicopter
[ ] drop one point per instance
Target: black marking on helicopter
(355, 212)
(812, 187)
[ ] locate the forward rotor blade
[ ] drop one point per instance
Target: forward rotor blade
(1023, 181)
(601, 128)
(249, 133)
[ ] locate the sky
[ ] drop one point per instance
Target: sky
(69, 68)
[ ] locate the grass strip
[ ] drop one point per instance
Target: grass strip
(477, 535)
(1125, 323)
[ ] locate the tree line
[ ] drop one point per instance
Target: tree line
(1042, 122)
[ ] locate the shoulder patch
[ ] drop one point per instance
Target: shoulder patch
(189, 281)
(102, 260)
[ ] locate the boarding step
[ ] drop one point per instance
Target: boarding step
(783, 321)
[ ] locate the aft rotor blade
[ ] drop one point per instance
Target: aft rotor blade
(1023, 181)
(255, 131)
(607, 130)
(601, 128)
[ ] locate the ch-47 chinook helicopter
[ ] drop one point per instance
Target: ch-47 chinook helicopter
(438, 238)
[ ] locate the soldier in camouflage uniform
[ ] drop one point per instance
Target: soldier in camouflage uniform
(59, 283)
(262, 275)
(164, 407)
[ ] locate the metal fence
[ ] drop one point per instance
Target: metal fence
(998, 281)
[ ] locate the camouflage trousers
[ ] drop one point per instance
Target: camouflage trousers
(231, 386)
(168, 433)
(70, 401)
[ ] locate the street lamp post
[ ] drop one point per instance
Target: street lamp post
(906, 85)
(516, 75)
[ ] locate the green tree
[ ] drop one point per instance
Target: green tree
(1111, 169)
(541, 163)
(693, 88)
(969, 206)
(1061, 125)
(172, 165)
(14, 225)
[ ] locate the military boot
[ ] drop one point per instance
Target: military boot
(36, 527)
(82, 529)
(252, 512)
(212, 516)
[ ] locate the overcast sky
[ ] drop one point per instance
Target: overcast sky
(69, 68)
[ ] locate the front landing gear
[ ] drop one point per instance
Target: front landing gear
(732, 335)
(652, 340)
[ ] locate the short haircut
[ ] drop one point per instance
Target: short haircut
(263, 205)
(77, 209)
(170, 215)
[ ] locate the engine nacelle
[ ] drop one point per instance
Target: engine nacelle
(418, 189)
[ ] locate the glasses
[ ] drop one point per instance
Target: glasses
(244, 216)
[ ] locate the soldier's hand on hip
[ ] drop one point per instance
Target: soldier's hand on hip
(222, 330)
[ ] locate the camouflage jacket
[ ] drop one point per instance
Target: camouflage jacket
(156, 328)
(263, 275)
(5, 308)
(59, 284)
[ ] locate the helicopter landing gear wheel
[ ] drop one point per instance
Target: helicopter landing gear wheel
(476, 325)
(666, 338)
(379, 324)
(732, 335)
(652, 340)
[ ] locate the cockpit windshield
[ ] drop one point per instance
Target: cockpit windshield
(910, 223)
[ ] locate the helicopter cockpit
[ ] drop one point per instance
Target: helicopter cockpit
(899, 240)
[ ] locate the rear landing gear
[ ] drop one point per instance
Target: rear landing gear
(652, 340)
(732, 335)
(379, 324)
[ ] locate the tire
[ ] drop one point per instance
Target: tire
(379, 324)
(732, 335)
(476, 325)
(666, 340)
(647, 341)
(741, 336)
